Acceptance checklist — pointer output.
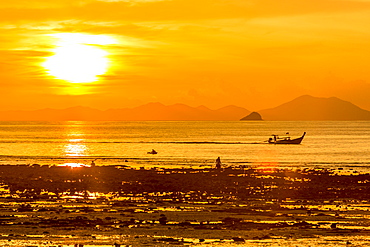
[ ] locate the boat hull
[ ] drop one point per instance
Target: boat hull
(288, 141)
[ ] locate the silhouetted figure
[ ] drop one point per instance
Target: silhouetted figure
(92, 164)
(218, 163)
(163, 219)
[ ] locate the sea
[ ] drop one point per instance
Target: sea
(327, 144)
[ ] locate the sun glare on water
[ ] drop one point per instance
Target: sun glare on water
(79, 58)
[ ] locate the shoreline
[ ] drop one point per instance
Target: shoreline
(176, 163)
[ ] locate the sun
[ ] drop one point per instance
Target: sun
(79, 58)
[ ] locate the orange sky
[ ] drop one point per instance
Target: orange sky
(251, 53)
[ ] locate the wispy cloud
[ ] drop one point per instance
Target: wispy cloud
(258, 47)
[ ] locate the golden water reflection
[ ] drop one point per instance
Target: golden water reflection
(75, 146)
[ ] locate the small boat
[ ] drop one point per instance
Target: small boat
(152, 152)
(285, 140)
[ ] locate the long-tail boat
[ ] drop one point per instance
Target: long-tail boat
(285, 140)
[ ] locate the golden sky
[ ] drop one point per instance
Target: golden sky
(255, 54)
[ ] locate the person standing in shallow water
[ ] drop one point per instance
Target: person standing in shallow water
(218, 163)
(92, 164)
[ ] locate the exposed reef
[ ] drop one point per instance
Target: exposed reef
(107, 205)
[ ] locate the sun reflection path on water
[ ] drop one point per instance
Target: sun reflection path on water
(75, 165)
(75, 147)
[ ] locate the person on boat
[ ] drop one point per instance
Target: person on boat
(218, 163)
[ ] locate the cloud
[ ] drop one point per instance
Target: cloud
(175, 10)
(219, 49)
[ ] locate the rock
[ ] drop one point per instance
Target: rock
(238, 239)
(253, 116)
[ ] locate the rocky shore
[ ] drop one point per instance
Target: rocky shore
(118, 206)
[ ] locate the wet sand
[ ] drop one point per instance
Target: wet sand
(112, 206)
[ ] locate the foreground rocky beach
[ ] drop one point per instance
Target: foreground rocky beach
(123, 206)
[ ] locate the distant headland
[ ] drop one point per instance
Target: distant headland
(303, 108)
(309, 108)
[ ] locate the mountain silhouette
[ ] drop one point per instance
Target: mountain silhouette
(304, 108)
(309, 108)
(150, 112)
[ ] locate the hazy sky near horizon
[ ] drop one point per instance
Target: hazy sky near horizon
(255, 54)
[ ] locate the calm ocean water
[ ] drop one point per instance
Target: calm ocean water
(182, 143)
